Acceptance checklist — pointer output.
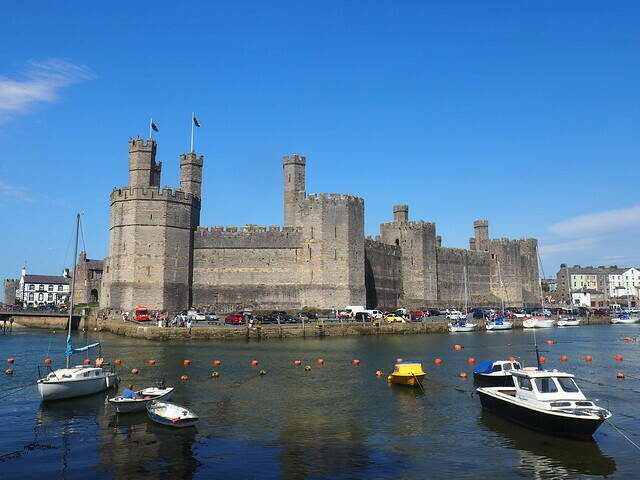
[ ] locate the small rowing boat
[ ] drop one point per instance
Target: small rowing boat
(407, 373)
(171, 414)
(140, 401)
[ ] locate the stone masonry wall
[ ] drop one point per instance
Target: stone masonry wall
(383, 274)
(451, 263)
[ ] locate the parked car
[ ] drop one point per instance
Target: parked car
(393, 318)
(601, 311)
(362, 317)
(211, 316)
(454, 315)
(416, 316)
(234, 319)
(433, 312)
(307, 316)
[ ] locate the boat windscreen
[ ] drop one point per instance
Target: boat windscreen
(568, 385)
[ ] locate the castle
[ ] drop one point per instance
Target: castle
(160, 257)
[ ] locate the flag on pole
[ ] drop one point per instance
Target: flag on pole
(154, 127)
(195, 121)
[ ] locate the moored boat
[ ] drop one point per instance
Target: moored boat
(568, 322)
(625, 318)
(548, 401)
(75, 381)
(495, 374)
(143, 397)
(462, 326)
(499, 324)
(407, 373)
(538, 322)
(171, 414)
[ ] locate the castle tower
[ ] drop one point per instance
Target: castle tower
(401, 213)
(143, 169)
(294, 187)
(418, 244)
(150, 259)
(481, 230)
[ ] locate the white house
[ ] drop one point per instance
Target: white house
(587, 298)
(37, 290)
(625, 282)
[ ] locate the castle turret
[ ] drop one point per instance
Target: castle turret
(294, 187)
(481, 230)
(143, 169)
(191, 174)
(401, 213)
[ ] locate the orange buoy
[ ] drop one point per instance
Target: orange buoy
(458, 347)
(253, 363)
(47, 361)
(307, 368)
(628, 339)
(86, 361)
(619, 375)
(10, 360)
(588, 358)
(356, 362)
(215, 374)
(8, 371)
(438, 361)
(320, 361)
(512, 359)
(471, 360)
(297, 363)
(217, 363)
(379, 373)
(262, 372)
(184, 378)
(563, 358)
(151, 362)
(619, 358)
(398, 360)
(550, 342)
(463, 374)
(186, 363)
(117, 361)
(135, 371)
(542, 359)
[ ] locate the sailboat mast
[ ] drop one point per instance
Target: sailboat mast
(503, 287)
(73, 281)
(466, 293)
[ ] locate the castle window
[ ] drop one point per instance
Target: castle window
(335, 231)
(335, 254)
(151, 216)
(289, 180)
(311, 232)
(493, 256)
(309, 252)
(398, 242)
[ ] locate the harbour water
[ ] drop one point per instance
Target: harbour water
(334, 421)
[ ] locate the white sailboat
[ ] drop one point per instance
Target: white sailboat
(539, 321)
(500, 323)
(79, 380)
(626, 317)
(461, 324)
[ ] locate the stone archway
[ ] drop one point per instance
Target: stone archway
(93, 297)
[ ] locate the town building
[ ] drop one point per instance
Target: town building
(587, 298)
(617, 285)
(43, 290)
(161, 257)
(88, 280)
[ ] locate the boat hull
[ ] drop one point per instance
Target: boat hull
(131, 405)
(538, 323)
(568, 322)
(504, 326)
(581, 428)
(406, 380)
(59, 390)
(625, 321)
(163, 417)
(466, 328)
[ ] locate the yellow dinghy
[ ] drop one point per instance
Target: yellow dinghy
(407, 373)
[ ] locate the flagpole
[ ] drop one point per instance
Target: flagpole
(193, 115)
(151, 128)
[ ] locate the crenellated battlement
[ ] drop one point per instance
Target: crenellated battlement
(138, 193)
(203, 230)
(393, 250)
(192, 158)
(138, 144)
(334, 197)
(247, 236)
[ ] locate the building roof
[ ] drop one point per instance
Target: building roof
(56, 279)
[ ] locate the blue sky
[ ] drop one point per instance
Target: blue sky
(525, 113)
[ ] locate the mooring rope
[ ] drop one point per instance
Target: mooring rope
(622, 433)
(11, 390)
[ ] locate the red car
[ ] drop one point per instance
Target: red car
(234, 320)
(601, 311)
(416, 315)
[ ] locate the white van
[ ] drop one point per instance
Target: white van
(374, 313)
(351, 310)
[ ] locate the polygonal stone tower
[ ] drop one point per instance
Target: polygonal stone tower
(294, 186)
(150, 259)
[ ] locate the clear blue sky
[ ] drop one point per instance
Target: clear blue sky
(525, 113)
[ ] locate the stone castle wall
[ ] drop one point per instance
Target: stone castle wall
(383, 274)
(10, 285)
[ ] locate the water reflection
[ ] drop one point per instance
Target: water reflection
(543, 456)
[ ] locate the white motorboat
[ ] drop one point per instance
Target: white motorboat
(625, 318)
(568, 322)
(549, 401)
(142, 398)
(75, 381)
(462, 326)
(171, 414)
(499, 324)
(81, 380)
(538, 322)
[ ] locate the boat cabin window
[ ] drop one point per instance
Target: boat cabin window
(584, 404)
(97, 373)
(497, 368)
(546, 385)
(568, 385)
(85, 374)
(516, 366)
(560, 404)
(524, 383)
(507, 366)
